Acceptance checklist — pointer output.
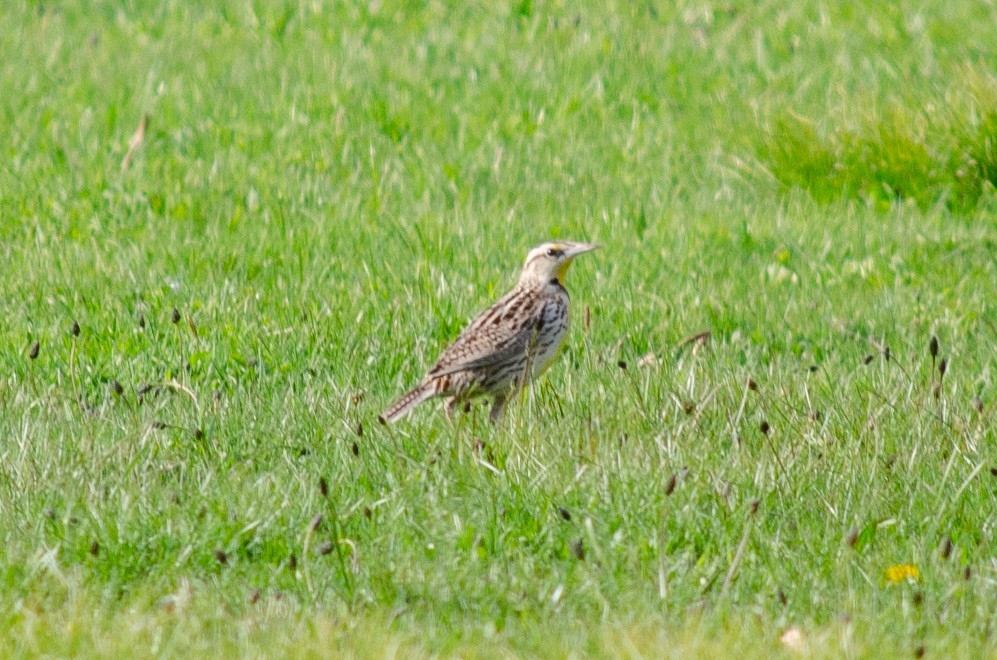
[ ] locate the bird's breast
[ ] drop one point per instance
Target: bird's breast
(552, 328)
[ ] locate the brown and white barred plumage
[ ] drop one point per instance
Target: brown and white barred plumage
(508, 344)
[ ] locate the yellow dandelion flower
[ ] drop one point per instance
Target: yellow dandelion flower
(901, 573)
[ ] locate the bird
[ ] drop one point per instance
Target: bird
(507, 345)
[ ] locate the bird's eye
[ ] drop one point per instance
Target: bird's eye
(553, 252)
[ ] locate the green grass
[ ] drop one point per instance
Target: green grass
(326, 193)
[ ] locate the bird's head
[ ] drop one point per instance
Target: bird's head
(551, 261)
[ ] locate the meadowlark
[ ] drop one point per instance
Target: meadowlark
(508, 344)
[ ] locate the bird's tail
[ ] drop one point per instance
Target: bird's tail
(402, 407)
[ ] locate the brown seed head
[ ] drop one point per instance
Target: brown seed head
(323, 487)
(670, 486)
(221, 557)
(942, 367)
(565, 514)
(933, 347)
(577, 549)
(175, 317)
(75, 330)
(315, 523)
(946, 548)
(764, 427)
(853, 537)
(752, 385)
(33, 353)
(94, 548)
(118, 389)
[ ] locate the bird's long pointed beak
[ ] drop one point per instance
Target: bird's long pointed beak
(570, 252)
(580, 248)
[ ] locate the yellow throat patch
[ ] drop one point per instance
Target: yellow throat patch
(563, 269)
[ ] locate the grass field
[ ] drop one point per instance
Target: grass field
(202, 313)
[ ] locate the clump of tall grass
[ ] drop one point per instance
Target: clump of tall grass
(940, 151)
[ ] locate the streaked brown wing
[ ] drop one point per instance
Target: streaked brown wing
(500, 338)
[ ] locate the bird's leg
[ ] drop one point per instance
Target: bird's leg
(497, 408)
(448, 407)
